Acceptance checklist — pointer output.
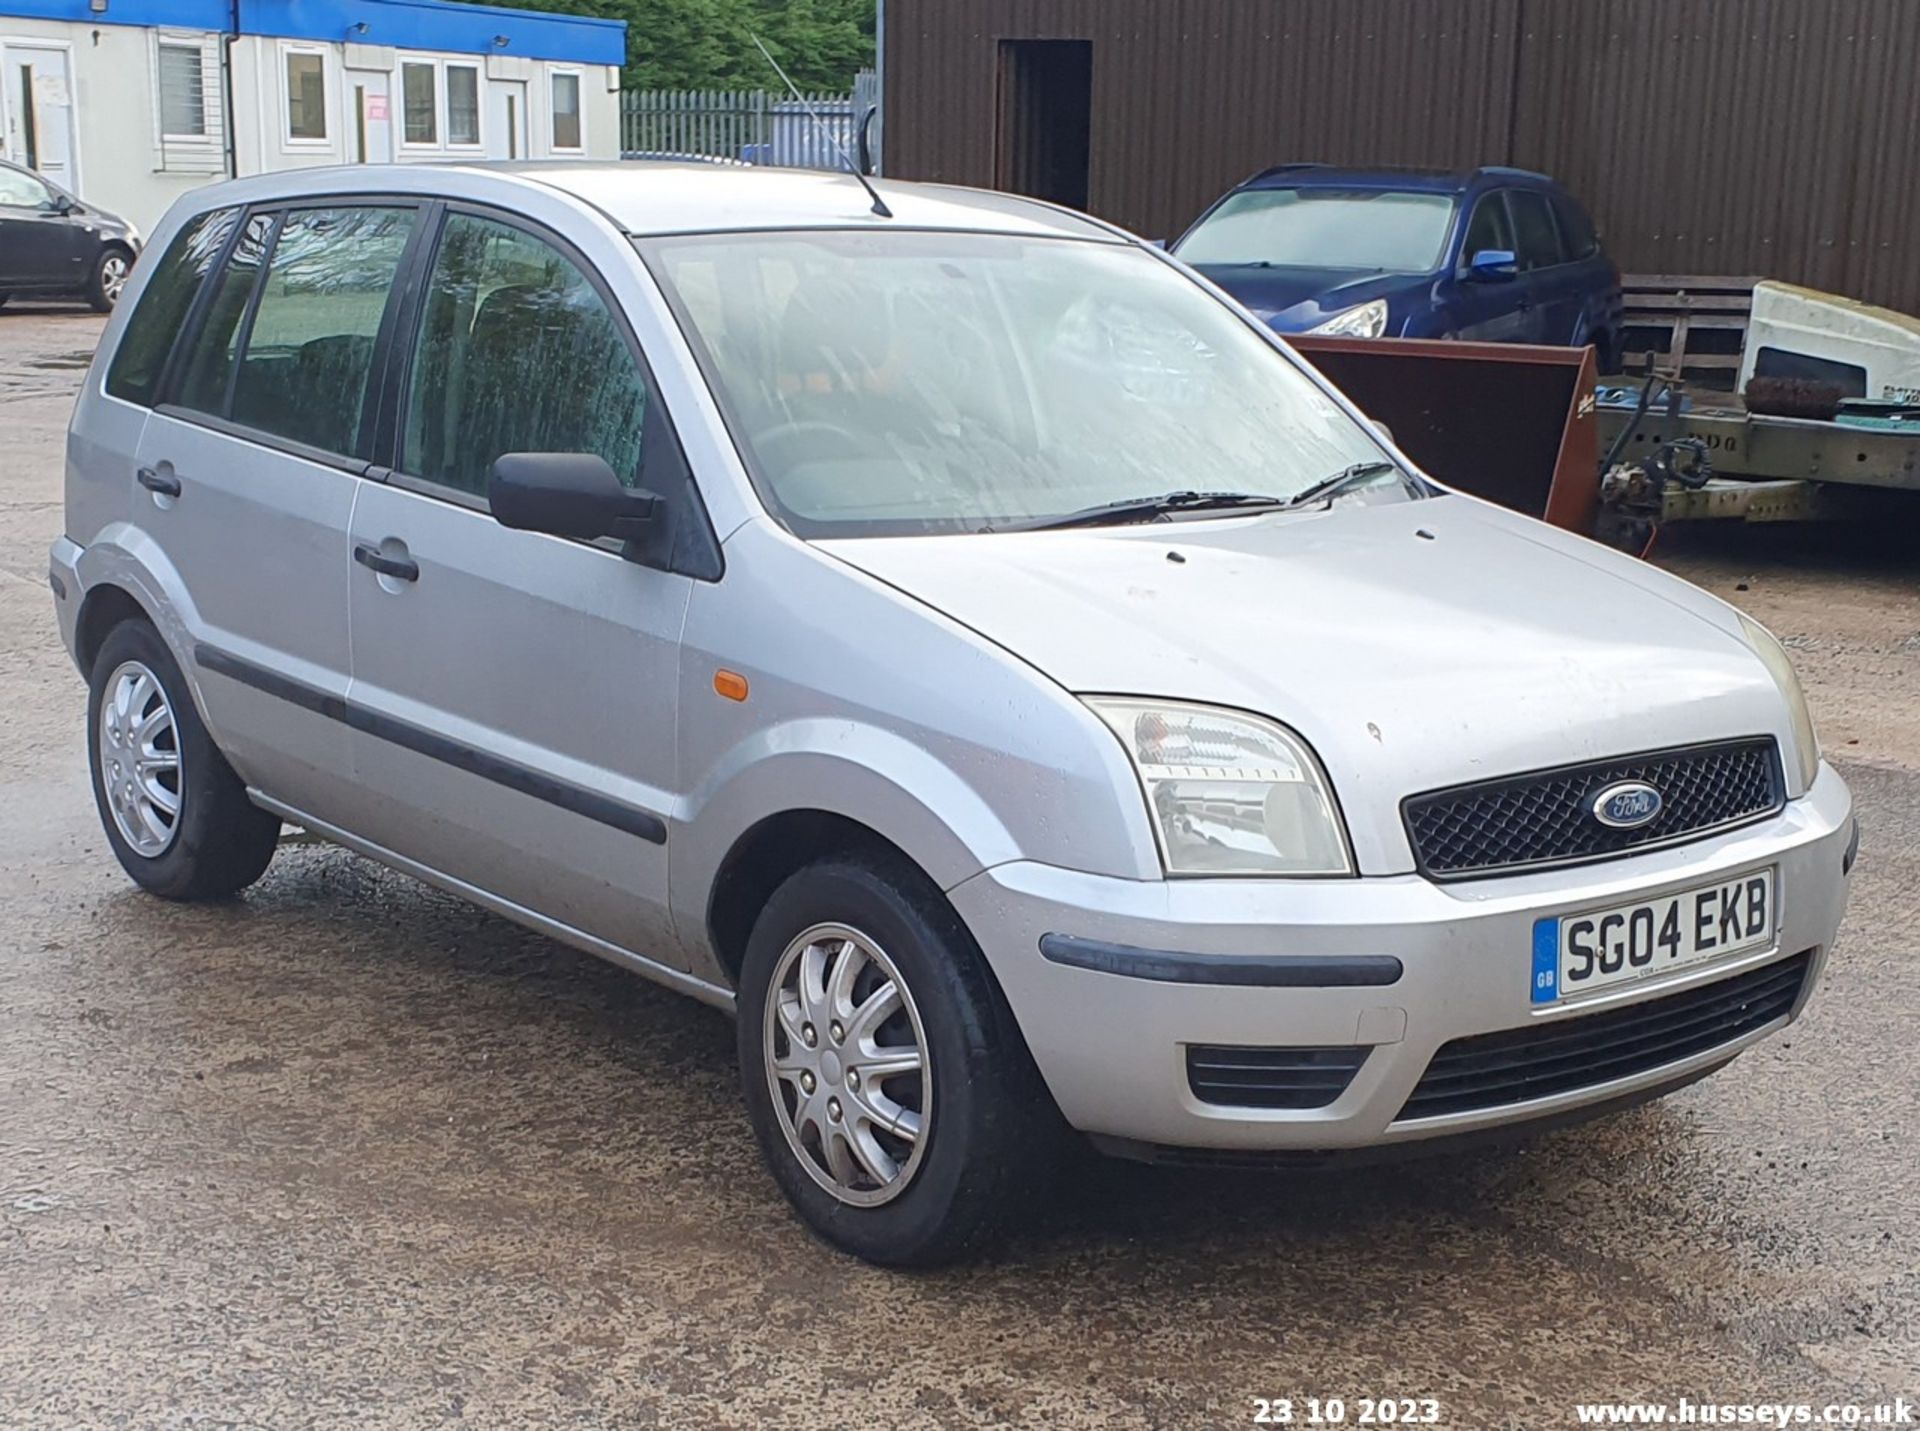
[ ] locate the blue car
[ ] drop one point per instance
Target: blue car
(1497, 255)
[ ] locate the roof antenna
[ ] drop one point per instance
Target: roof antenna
(879, 204)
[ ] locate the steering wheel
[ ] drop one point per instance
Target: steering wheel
(790, 443)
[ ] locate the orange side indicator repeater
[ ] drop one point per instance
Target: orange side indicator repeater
(730, 684)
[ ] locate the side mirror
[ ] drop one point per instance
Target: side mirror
(1493, 265)
(1384, 431)
(568, 494)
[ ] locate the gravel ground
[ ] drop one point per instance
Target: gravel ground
(347, 1149)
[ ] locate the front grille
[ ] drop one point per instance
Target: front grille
(1513, 1066)
(1271, 1077)
(1547, 817)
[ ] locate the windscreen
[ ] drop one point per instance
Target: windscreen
(904, 381)
(1324, 228)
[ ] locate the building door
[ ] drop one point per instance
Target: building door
(506, 119)
(369, 117)
(39, 87)
(1045, 121)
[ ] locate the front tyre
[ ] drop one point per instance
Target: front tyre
(178, 818)
(108, 279)
(890, 1091)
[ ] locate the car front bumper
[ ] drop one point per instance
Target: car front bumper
(1110, 1027)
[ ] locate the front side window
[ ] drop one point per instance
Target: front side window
(1536, 240)
(135, 373)
(516, 353)
(183, 104)
(306, 95)
(463, 104)
(1324, 228)
(566, 111)
(22, 191)
(907, 382)
(1488, 231)
(420, 104)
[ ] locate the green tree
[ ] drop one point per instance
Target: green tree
(708, 44)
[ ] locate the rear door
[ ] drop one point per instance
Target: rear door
(1594, 275)
(1553, 287)
(515, 694)
(247, 475)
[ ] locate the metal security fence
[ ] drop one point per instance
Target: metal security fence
(746, 126)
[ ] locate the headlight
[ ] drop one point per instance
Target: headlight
(1230, 794)
(1806, 744)
(1369, 320)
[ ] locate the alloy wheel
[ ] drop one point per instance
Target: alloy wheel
(846, 1062)
(140, 765)
(113, 276)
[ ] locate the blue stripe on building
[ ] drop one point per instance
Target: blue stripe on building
(407, 24)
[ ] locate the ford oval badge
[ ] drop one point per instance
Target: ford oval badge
(1627, 805)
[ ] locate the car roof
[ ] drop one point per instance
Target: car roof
(654, 197)
(648, 197)
(1426, 181)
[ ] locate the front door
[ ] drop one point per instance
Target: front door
(369, 113)
(1488, 310)
(250, 468)
(41, 247)
(514, 693)
(507, 119)
(39, 84)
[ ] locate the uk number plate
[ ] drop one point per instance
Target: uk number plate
(1576, 953)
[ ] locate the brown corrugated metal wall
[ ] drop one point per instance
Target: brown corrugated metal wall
(1771, 137)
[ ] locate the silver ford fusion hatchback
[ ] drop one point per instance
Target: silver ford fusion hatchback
(961, 642)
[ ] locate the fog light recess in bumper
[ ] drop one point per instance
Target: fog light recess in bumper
(1271, 1077)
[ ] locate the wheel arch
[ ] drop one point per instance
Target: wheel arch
(103, 607)
(765, 856)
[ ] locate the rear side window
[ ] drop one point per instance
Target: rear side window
(1488, 230)
(1576, 229)
(294, 363)
(516, 353)
(1538, 241)
(309, 347)
(209, 362)
(135, 374)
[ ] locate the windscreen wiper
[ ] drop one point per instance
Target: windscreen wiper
(1328, 488)
(1146, 509)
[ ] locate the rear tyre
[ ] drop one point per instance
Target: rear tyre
(889, 1088)
(178, 818)
(108, 279)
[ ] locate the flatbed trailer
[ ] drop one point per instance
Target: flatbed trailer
(1760, 448)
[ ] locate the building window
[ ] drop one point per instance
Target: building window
(183, 96)
(420, 103)
(566, 110)
(306, 95)
(463, 104)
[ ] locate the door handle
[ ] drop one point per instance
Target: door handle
(163, 484)
(399, 568)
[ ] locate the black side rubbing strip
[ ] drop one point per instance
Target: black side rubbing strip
(587, 803)
(1266, 971)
